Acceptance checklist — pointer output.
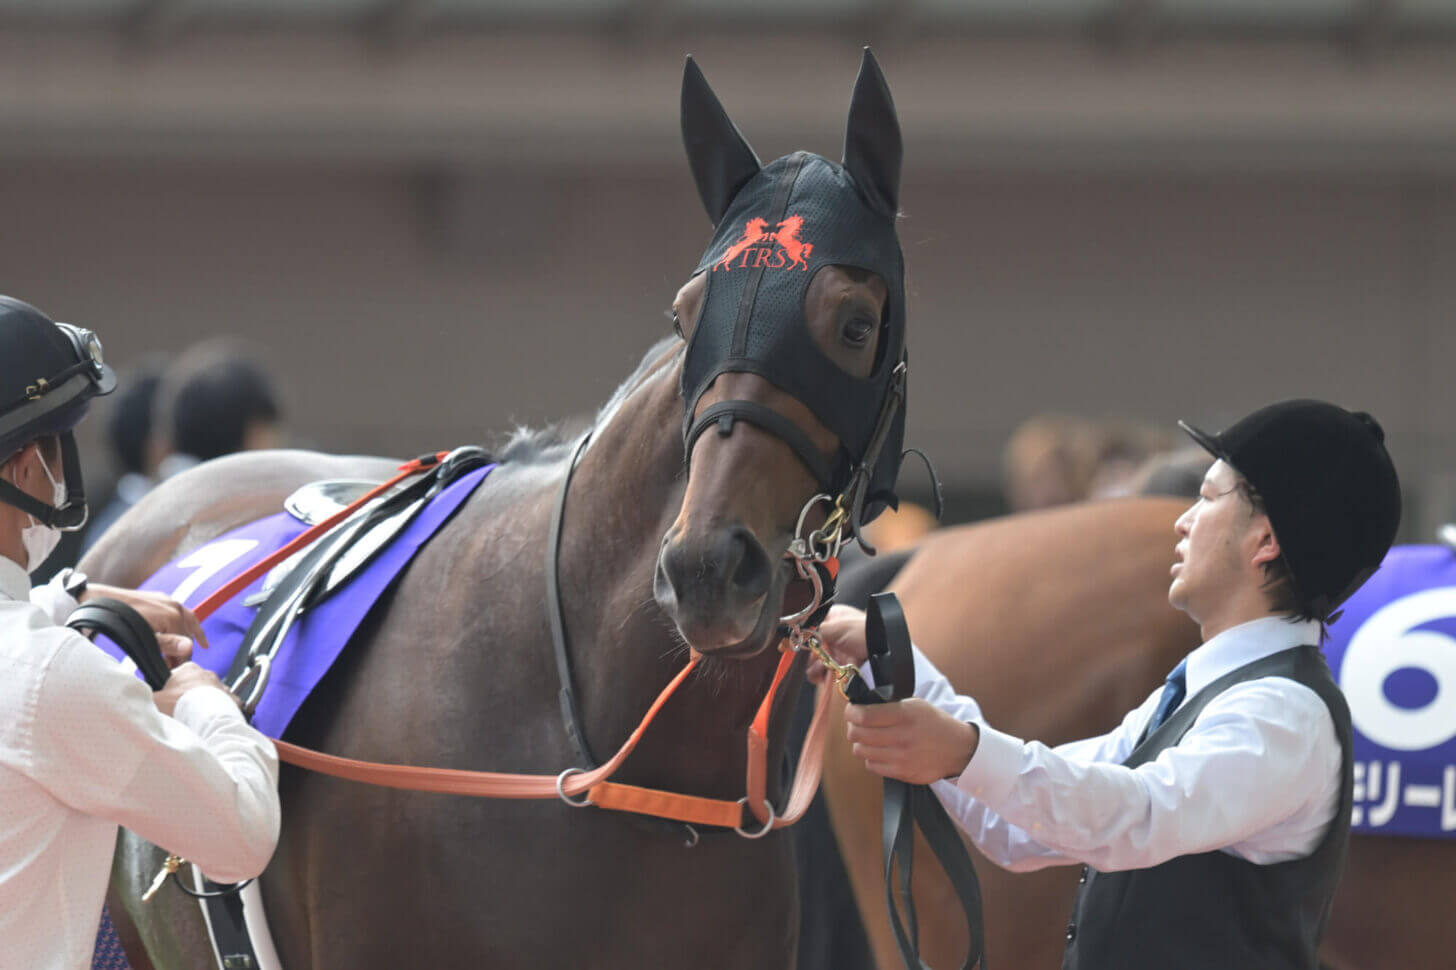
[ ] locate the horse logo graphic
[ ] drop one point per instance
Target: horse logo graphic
(795, 248)
(759, 248)
(754, 233)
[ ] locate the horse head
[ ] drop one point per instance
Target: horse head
(792, 378)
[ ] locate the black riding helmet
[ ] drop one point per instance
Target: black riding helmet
(1329, 486)
(49, 372)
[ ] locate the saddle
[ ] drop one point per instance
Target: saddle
(313, 573)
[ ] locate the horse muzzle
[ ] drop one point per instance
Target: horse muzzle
(716, 587)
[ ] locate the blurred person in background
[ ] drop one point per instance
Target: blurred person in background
(134, 449)
(1055, 459)
(216, 399)
(1046, 462)
(213, 400)
(1177, 474)
(85, 746)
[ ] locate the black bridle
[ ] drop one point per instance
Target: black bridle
(570, 716)
(835, 475)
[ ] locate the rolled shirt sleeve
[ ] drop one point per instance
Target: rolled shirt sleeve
(1257, 774)
(1257, 756)
(202, 784)
(1008, 845)
(998, 759)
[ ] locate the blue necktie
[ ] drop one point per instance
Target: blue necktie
(1173, 690)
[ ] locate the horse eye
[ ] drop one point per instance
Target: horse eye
(676, 323)
(857, 330)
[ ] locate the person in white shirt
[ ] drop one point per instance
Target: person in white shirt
(1211, 823)
(85, 745)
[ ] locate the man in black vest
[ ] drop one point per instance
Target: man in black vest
(1212, 823)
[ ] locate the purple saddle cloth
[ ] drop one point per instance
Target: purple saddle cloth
(320, 634)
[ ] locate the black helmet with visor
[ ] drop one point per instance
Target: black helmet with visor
(49, 372)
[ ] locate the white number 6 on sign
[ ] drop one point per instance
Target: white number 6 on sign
(1384, 644)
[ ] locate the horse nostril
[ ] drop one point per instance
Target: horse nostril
(674, 569)
(721, 574)
(752, 572)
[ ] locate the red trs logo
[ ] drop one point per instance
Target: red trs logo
(761, 249)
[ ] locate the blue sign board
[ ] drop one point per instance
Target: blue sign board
(1393, 652)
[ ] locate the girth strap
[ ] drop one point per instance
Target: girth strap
(906, 805)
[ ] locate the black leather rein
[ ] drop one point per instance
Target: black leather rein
(905, 805)
(570, 717)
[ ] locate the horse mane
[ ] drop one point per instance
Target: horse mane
(551, 443)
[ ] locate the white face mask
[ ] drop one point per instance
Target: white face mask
(38, 538)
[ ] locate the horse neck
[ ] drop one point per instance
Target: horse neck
(624, 495)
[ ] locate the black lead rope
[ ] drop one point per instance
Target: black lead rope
(906, 805)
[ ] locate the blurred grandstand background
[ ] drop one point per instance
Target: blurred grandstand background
(438, 218)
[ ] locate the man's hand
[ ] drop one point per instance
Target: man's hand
(843, 633)
(183, 679)
(175, 625)
(911, 740)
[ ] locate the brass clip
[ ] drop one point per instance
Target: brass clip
(843, 673)
(825, 541)
(172, 864)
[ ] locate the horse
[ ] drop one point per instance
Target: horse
(679, 511)
(1058, 623)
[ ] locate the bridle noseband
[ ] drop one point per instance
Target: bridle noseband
(849, 482)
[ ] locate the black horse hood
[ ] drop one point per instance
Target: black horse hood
(775, 227)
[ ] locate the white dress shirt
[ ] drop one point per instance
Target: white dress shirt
(1257, 775)
(84, 749)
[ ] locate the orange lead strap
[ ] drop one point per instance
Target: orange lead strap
(488, 784)
(758, 745)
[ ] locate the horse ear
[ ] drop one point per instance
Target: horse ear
(872, 146)
(720, 156)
